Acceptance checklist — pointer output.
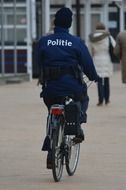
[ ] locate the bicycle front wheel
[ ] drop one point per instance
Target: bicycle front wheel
(72, 156)
(57, 154)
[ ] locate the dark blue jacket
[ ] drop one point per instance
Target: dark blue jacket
(65, 50)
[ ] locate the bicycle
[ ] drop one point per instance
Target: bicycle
(61, 129)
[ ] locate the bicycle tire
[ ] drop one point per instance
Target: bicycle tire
(72, 157)
(57, 154)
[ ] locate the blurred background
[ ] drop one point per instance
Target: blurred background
(23, 22)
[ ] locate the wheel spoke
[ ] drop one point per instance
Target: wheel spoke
(57, 156)
(72, 156)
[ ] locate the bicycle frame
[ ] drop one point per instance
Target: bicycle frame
(62, 146)
(55, 111)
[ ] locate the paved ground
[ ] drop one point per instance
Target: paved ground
(102, 163)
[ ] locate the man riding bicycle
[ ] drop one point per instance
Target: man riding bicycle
(62, 57)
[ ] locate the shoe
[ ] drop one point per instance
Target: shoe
(49, 160)
(107, 102)
(80, 136)
(99, 104)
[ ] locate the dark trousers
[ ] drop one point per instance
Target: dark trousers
(103, 90)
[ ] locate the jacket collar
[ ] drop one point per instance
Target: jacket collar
(60, 30)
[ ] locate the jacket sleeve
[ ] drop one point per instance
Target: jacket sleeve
(86, 63)
(117, 49)
(39, 58)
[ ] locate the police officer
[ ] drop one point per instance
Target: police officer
(59, 55)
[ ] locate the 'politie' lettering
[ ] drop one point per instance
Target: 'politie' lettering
(59, 42)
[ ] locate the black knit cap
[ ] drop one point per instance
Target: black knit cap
(63, 18)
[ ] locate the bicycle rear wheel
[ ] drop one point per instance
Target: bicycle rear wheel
(72, 156)
(57, 153)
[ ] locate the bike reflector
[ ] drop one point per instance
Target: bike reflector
(57, 111)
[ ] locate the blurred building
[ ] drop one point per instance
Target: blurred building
(23, 22)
